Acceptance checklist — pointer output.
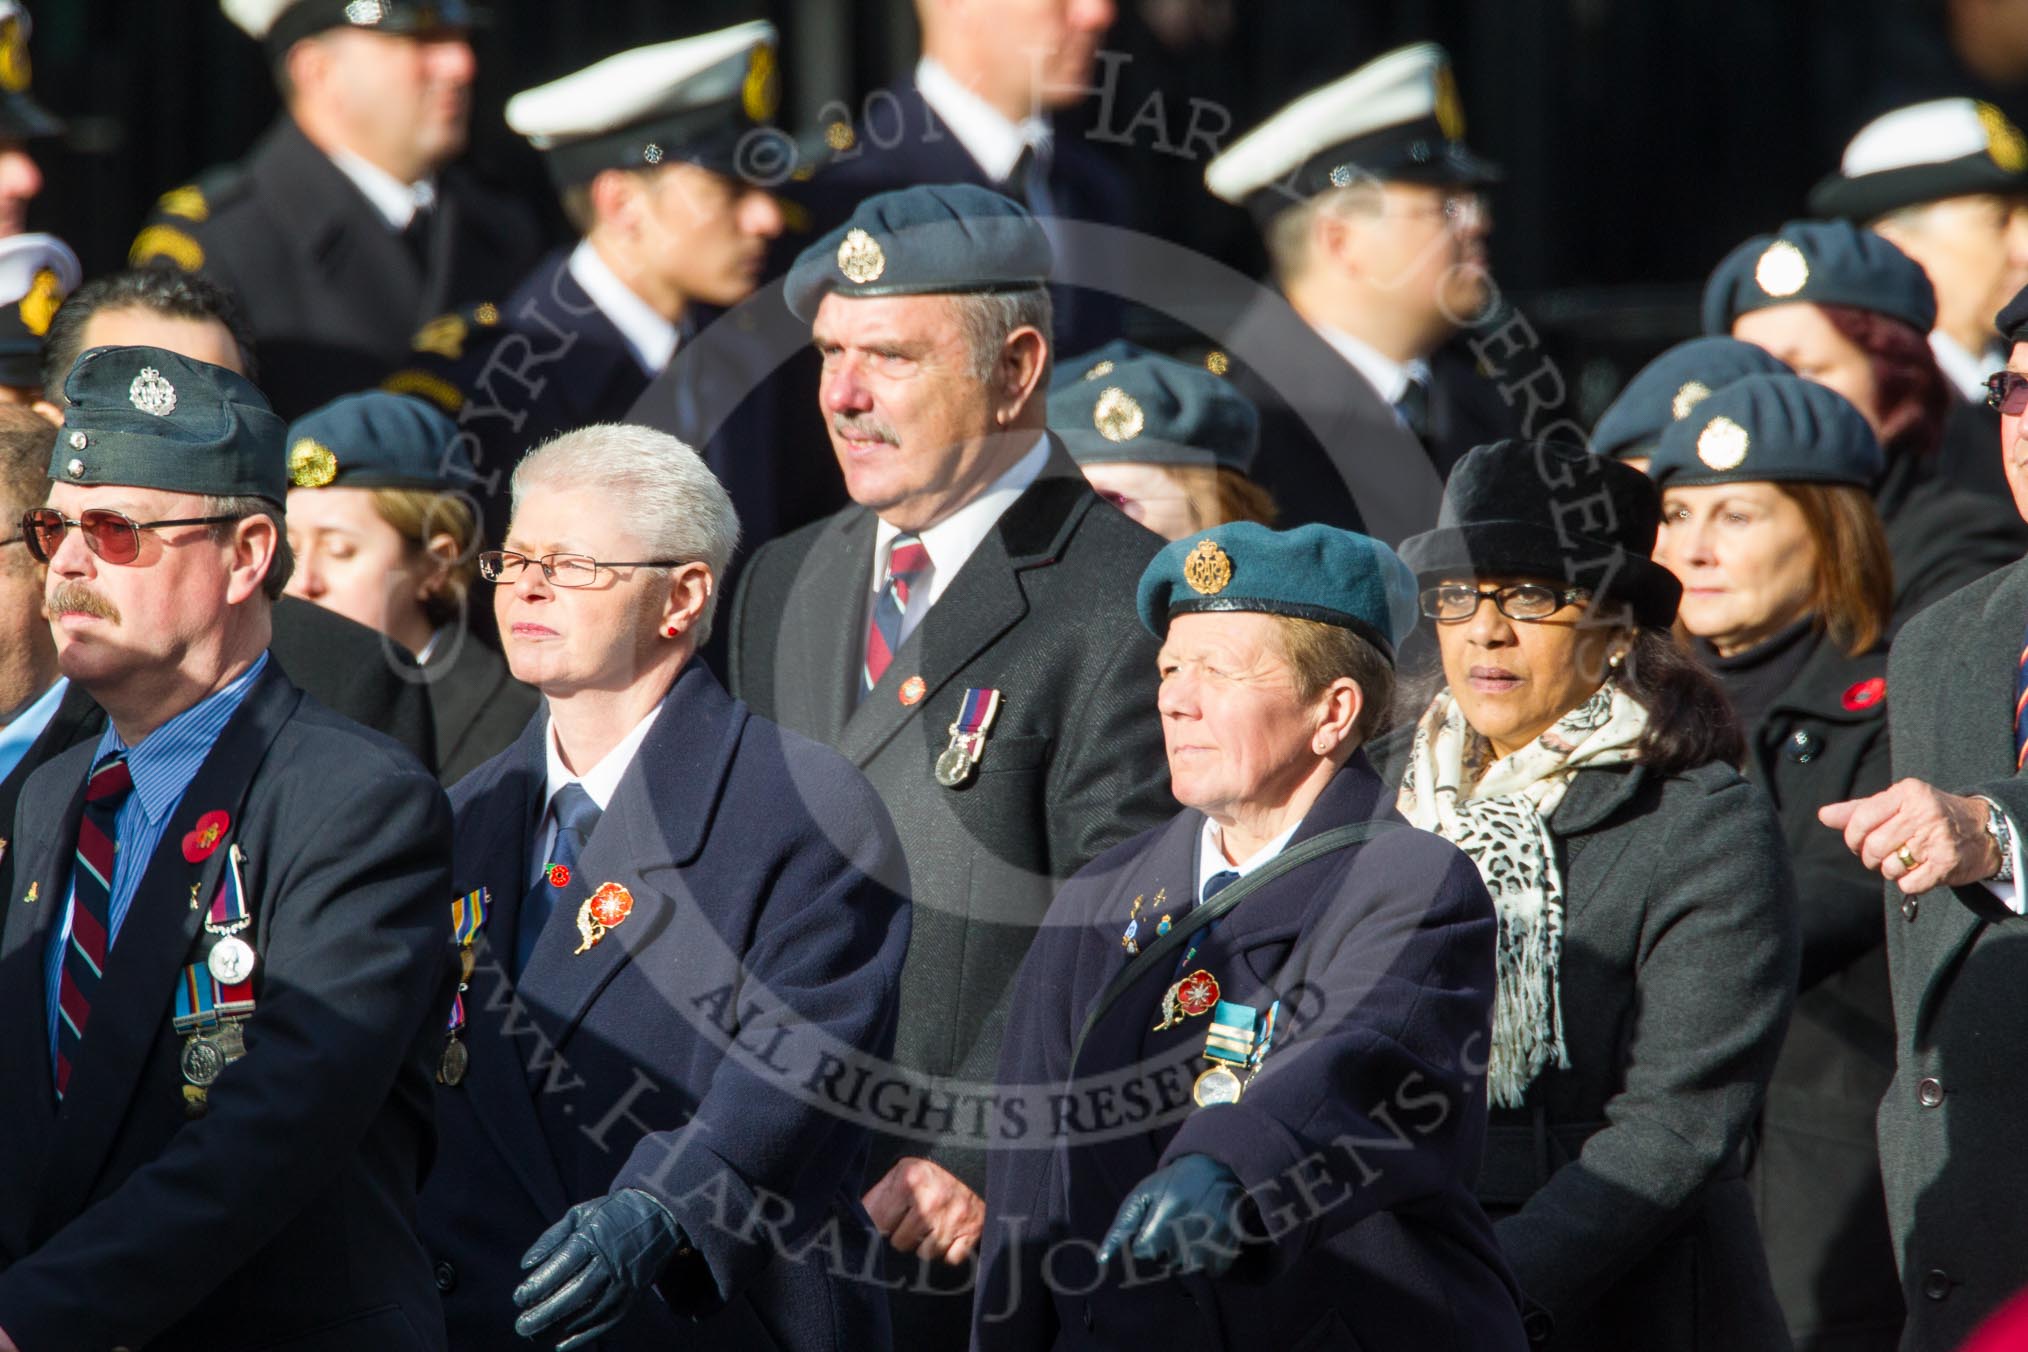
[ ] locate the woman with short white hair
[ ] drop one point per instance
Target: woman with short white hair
(650, 877)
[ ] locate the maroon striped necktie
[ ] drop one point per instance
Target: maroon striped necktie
(906, 562)
(84, 956)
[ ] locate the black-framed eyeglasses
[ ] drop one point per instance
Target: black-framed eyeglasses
(559, 570)
(1455, 601)
(2007, 391)
(113, 536)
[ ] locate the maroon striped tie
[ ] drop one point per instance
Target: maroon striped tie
(906, 561)
(84, 957)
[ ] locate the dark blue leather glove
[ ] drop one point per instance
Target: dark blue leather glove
(592, 1264)
(1184, 1216)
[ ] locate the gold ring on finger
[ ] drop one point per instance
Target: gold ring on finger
(1908, 860)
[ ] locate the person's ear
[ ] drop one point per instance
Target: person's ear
(690, 589)
(1024, 357)
(256, 546)
(1343, 701)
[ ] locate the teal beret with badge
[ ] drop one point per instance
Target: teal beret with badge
(1770, 429)
(145, 417)
(935, 239)
(378, 440)
(1124, 404)
(1668, 387)
(1313, 572)
(1824, 263)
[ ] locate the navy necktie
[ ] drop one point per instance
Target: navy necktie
(1413, 408)
(1217, 883)
(576, 814)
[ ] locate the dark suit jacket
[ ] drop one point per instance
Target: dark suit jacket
(1950, 1121)
(77, 717)
(1043, 611)
(1331, 449)
(901, 142)
(354, 671)
(332, 294)
(1940, 535)
(284, 1217)
(682, 1054)
(1359, 1136)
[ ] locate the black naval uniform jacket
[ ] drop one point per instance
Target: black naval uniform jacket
(1816, 1173)
(1950, 1122)
(1617, 1187)
(687, 1053)
(1357, 1139)
(1042, 611)
(284, 1217)
(1941, 535)
(332, 294)
(1325, 432)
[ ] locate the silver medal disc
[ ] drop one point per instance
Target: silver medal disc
(202, 1061)
(452, 1065)
(1217, 1085)
(954, 767)
(231, 960)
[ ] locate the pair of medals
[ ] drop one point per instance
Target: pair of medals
(214, 998)
(960, 759)
(1236, 1043)
(468, 914)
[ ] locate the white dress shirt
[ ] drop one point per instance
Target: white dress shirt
(951, 541)
(993, 142)
(599, 783)
(650, 337)
(1966, 371)
(395, 201)
(1212, 860)
(1388, 377)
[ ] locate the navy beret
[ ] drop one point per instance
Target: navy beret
(1543, 509)
(1313, 572)
(934, 239)
(378, 440)
(1122, 403)
(1771, 429)
(151, 418)
(1826, 263)
(1668, 387)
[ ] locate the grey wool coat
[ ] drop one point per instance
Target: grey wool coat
(1617, 1189)
(1951, 1122)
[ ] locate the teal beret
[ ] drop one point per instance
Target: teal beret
(936, 239)
(1825, 263)
(1668, 387)
(150, 418)
(1122, 403)
(1770, 429)
(1313, 572)
(378, 440)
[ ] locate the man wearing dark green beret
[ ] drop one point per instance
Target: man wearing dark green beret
(1165, 441)
(1227, 1018)
(348, 225)
(964, 633)
(1946, 838)
(222, 973)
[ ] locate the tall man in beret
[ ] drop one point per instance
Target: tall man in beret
(1370, 203)
(222, 971)
(347, 226)
(1946, 837)
(965, 634)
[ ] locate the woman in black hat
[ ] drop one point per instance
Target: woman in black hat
(1648, 937)
(1845, 308)
(1787, 592)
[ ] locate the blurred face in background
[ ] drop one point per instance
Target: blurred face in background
(1799, 334)
(1975, 250)
(20, 181)
(402, 103)
(350, 560)
(1021, 56)
(1154, 495)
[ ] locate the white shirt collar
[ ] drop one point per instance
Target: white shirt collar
(395, 201)
(951, 541)
(1387, 376)
(603, 779)
(650, 337)
(1211, 858)
(1966, 370)
(993, 142)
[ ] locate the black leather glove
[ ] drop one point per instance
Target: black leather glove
(592, 1264)
(1183, 1217)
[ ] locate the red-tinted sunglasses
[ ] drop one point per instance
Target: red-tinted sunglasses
(2008, 392)
(113, 536)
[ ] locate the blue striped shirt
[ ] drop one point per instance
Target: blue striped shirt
(162, 764)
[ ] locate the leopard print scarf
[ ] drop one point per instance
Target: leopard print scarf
(1498, 811)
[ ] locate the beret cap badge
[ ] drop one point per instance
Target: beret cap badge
(312, 464)
(1208, 570)
(1118, 415)
(1782, 269)
(1722, 444)
(1693, 393)
(1104, 368)
(2004, 143)
(860, 258)
(152, 393)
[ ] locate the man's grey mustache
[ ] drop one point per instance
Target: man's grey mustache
(75, 598)
(864, 427)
